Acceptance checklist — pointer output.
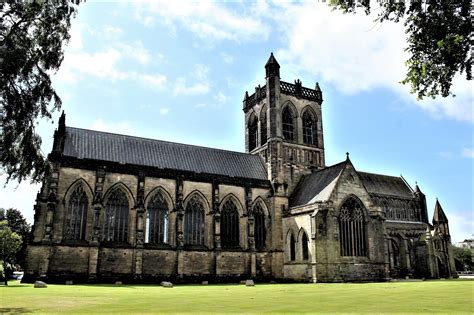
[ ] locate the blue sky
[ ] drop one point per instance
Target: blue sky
(178, 71)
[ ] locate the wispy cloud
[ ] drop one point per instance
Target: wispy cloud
(220, 98)
(468, 153)
(121, 127)
(164, 110)
(228, 59)
(363, 55)
(206, 19)
(202, 86)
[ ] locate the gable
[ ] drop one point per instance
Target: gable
(316, 186)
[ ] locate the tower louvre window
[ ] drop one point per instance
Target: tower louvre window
(115, 227)
(352, 229)
(194, 222)
(76, 215)
(253, 130)
(309, 129)
(230, 225)
(157, 220)
(288, 124)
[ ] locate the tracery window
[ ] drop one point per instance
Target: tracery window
(263, 126)
(115, 228)
(260, 232)
(157, 220)
(253, 127)
(229, 225)
(292, 248)
(194, 222)
(309, 129)
(304, 247)
(76, 215)
(288, 124)
(352, 229)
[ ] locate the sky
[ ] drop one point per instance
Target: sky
(178, 71)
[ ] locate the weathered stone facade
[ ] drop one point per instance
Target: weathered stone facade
(130, 209)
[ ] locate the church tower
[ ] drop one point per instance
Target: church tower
(283, 124)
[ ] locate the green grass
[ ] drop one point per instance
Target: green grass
(454, 296)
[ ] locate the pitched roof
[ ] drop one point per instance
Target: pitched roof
(438, 215)
(316, 186)
(103, 146)
(386, 185)
(272, 60)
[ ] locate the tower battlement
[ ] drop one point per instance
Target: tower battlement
(297, 90)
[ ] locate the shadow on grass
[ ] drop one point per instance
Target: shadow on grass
(14, 310)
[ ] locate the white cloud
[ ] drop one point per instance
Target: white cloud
(20, 196)
(155, 81)
(110, 30)
(121, 127)
(136, 51)
(202, 86)
(228, 59)
(461, 225)
(355, 54)
(468, 153)
(207, 19)
(164, 110)
(220, 98)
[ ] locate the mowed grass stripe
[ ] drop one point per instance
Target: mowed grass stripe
(443, 296)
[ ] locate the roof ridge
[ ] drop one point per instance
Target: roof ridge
(163, 141)
(368, 173)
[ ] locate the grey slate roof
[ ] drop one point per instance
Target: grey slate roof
(103, 146)
(312, 184)
(386, 185)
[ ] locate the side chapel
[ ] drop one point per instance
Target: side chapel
(123, 208)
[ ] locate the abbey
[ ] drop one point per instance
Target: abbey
(122, 208)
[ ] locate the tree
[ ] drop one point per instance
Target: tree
(32, 34)
(438, 40)
(17, 223)
(10, 244)
(463, 259)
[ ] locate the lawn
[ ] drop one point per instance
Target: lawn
(448, 296)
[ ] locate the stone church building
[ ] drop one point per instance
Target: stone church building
(122, 208)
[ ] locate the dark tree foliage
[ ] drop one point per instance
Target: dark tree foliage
(438, 36)
(463, 258)
(32, 34)
(17, 224)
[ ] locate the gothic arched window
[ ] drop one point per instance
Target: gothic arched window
(253, 128)
(260, 232)
(157, 220)
(76, 215)
(115, 228)
(288, 124)
(194, 222)
(292, 248)
(263, 126)
(304, 247)
(352, 228)
(309, 128)
(230, 225)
